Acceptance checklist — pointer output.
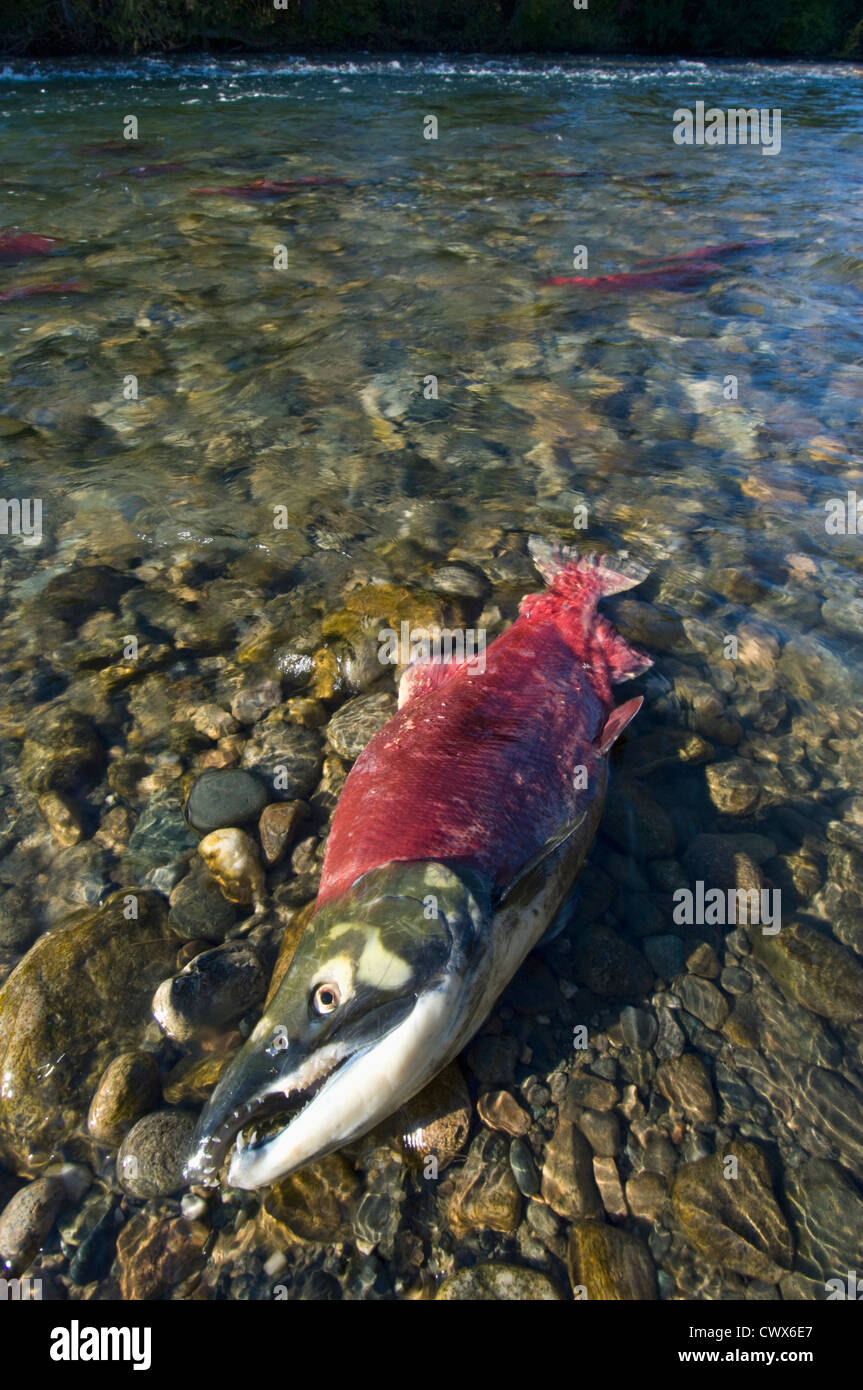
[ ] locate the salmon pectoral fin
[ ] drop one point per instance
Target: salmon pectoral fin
(617, 722)
(532, 874)
(422, 676)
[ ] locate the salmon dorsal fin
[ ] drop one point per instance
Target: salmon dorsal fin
(425, 675)
(531, 874)
(617, 722)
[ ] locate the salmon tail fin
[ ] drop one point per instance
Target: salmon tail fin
(573, 575)
(576, 583)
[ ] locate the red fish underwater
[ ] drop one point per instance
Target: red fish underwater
(14, 246)
(680, 276)
(458, 834)
(266, 188)
(31, 291)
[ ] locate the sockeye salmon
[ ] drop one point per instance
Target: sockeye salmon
(458, 834)
(679, 276)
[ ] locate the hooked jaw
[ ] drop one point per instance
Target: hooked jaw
(335, 1096)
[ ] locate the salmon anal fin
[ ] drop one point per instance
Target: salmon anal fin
(422, 676)
(617, 722)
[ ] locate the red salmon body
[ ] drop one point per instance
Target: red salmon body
(672, 277)
(15, 245)
(482, 767)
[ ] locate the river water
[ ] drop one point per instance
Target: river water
(255, 406)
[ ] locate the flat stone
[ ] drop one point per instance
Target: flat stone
(702, 999)
(286, 758)
(278, 826)
(734, 787)
(486, 1195)
(315, 1204)
(222, 797)
(436, 1122)
(129, 1088)
(734, 1221)
(813, 969)
(155, 1255)
(568, 1184)
(500, 1110)
(357, 722)
(26, 1222)
(606, 1263)
(686, 1085)
(592, 1092)
(498, 1283)
(199, 908)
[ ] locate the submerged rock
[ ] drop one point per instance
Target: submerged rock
(436, 1123)
(486, 1196)
(81, 994)
(498, 1283)
(153, 1154)
(155, 1255)
(812, 969)
(62, 751)
(26, 1221)
(315, 1204)
(730, 1215)
(351, 728)
(223, 797)
(129, 1087)
(199, 908)
(287, 759)
(610, 1264)
(568, 1184)
(232, 858)
(277, 826)
(214, 989)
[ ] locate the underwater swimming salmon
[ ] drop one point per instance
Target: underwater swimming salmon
(267, 188)
(14, 246)
(32, 291)
(679, 276)
(459, 831)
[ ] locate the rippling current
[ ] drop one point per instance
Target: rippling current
(408, 392)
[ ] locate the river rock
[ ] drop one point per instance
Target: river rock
(193, 1078)
(315, 1204)
(486, 1195)
(734, 787)
(606, 964)
(827, 1217)
(436, 1123)
(568, 1184)
(686, 1085)
(199, 908)
(154, 1152)
(214, 989)
(161, 837)
(223, 797)
(129, 1088)
(155, 1255)
(78, 997)
(351, 728)
(61, 752)
(26, 1222)
(704, 1000)
(734, 1221)
(636, 823)
(812, 969)
(493, 1283)
(607, 1263)
(277, 827)
(231, 856)
(286, 758)
(500, 1110)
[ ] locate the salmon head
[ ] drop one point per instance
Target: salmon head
(384, 985)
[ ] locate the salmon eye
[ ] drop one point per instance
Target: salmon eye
(326, 998)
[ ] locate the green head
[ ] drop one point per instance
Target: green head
(382, 990)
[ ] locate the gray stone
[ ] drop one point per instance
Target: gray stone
(221, 797)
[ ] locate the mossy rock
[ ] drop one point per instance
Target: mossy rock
(79, 997)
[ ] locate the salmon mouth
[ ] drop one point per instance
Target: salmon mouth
(275, 1103)
(252, 1125)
